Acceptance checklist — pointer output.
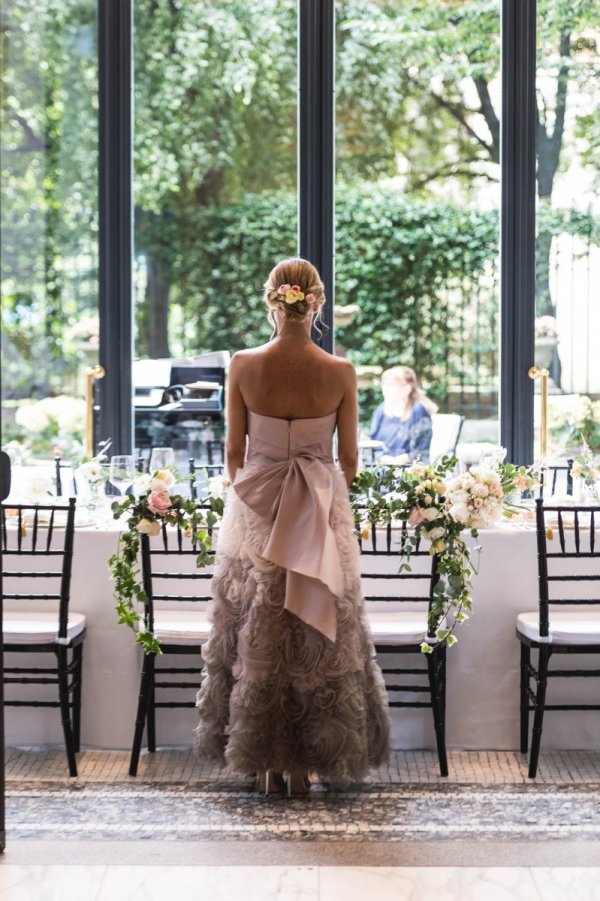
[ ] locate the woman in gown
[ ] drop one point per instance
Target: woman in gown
(290, 683)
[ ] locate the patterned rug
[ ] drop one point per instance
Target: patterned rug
(379, 812)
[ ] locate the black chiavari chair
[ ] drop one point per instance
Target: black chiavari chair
(37, 550)
(556, 476)
(61, 468)
(181, 632)
(408, 597)
(568, 548)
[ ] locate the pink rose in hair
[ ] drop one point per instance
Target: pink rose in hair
(159, 502)
(296, 288)
(282, 289)
(310, 298)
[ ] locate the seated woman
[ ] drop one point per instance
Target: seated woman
(403, 421)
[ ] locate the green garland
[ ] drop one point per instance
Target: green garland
(195, 521)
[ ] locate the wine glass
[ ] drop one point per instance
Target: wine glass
(162, 458)
(122, 472)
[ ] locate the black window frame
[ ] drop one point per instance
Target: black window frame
(316, 204)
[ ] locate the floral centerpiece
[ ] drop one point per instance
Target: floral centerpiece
(94, 472)
(574, 422)
(586, 467)
(417, 496)
(546, 327)
(149, 509)
(51, 424)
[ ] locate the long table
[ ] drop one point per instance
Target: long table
(482, 699)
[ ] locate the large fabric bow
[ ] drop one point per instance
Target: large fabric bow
(295, 495)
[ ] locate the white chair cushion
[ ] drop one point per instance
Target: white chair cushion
(398, 627)
(39, 628)
(181, 627)
(568, 627)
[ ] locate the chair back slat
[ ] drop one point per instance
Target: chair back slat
(155, 554)
(561, 531)
(576, 530)
(592, 532)
(57, 544)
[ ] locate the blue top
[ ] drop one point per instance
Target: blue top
(410, 436)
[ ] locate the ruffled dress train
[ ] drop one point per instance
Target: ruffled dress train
(279, 690)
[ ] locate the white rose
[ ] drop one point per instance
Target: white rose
(166, 476)
(480, 490)
(438, 547)
(142, 484)
(459, 497)
(468, 482)
(459, 512)
(430, 514)
(436, 532)
(419, 489)
(148, 527)
(158, 485)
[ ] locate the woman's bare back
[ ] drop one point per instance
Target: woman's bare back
(292, 380)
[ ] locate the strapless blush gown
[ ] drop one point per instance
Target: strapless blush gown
(290, 678)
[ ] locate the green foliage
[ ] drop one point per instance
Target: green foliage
(196, 524)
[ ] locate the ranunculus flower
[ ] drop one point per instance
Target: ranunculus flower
(159, 502)
(148, 527)
(166, 476)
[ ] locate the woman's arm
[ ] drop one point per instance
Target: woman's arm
(376, 422)
(235, 444)
(347, 425)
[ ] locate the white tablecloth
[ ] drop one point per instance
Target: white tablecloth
(482, 701)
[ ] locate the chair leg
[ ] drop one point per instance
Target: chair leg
(145, 683)
(436, 672)
(540, 703)
(65, 708)
(151, 715)
(525, 663)
(77, 674)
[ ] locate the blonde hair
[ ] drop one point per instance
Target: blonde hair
(294, 271)
(409, 376)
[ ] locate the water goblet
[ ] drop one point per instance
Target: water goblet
(162, 458)
(122, 472)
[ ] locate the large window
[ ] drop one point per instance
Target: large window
(49, 223)
(567, 320)
(215, 185)
(418, 196)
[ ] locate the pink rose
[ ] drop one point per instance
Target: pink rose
(416, 517)
(310, 298)
(159, 502)
(295, 288)
(282, 289)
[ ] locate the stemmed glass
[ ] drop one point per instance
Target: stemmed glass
(122, 472)
(162, 458)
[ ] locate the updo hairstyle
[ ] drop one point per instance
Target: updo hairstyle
(294, 271)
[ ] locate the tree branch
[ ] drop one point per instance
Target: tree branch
(459, 115)
(550, 145)
(32, 142)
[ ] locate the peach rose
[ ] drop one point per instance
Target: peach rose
(148, 527)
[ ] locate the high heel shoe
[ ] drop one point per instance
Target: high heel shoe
(270, 783)
(297, 782)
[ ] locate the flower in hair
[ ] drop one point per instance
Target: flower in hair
(310, 298)
(291, 293)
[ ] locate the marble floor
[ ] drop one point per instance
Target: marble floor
(277, 883)
(181, 830)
